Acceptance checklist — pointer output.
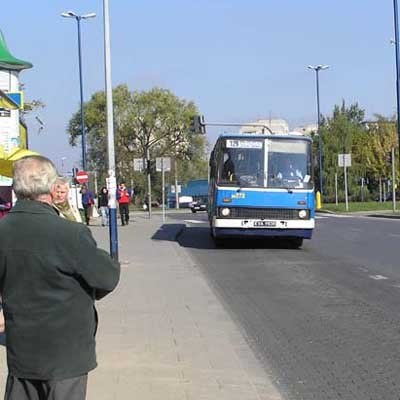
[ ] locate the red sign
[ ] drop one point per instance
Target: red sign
(82, 177)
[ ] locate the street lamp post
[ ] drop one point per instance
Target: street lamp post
(318, 68)
(396, 43)
(111, 180)
(78, 18)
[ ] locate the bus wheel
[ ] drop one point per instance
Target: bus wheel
(296, 243)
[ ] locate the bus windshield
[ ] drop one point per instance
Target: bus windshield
(265, 162)
(242, 163)
(289, 164)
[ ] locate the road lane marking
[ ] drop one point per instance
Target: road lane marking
(333, 216)
(378, 277)
(195, 221)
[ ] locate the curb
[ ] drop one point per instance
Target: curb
(391, 216)
(324, 212)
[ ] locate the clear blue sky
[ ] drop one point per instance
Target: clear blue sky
(237, 60)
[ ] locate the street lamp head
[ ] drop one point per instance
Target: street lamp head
(69, 14)
(318, 67)
(90, 15)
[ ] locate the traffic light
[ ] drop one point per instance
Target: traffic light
(197, 125)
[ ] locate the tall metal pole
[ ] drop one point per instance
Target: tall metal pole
(163, 188)
(111, 181)
(148, 180)
(78, 20)
(393, 181)
(345, 181)
(319, 133)
(318, 68)
(397, 44)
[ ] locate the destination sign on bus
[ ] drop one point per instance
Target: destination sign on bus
(243, 144)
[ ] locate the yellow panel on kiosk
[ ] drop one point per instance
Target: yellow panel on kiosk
(16, 154)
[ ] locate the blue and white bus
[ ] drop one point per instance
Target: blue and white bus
(261, 185)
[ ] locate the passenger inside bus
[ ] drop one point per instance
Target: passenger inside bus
(243, 167)
(289, 171)
(285, 171)
(228, 170)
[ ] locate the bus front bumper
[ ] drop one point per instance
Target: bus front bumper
(224, 227)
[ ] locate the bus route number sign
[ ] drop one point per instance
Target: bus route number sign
(243, 144)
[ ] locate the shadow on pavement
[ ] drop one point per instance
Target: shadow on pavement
(199, 238)
(169, 232)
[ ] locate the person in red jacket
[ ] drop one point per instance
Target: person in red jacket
(124, 197)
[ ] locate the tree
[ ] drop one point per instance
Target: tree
(147, 124)
(339, 134)
(369, 144)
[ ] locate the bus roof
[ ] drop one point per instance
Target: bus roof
(289, 135)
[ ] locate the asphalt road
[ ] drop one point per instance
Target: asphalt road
(324, 320)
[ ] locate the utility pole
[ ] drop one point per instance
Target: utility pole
(111, 180)
(318, 68)
(396, 43)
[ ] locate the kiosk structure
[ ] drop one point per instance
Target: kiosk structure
(13, 131)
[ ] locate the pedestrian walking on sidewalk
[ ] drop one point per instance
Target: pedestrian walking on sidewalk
(87, 202)
(102, 204)
(124, 197)
(51, 273)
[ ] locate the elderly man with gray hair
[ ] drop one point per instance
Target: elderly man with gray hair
(51, 273)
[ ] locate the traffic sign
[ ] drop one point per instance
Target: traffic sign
(344, 160)
(138, 164)
(163, 163)
(82, 177)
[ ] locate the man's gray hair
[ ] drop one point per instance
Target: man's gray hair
(33, 176)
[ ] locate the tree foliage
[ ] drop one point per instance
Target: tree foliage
(154, 122)
(369, 145)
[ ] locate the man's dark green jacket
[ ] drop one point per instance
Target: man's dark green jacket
(51, 271)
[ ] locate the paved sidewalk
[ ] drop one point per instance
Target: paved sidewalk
(164, 335)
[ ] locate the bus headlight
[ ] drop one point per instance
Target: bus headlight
(302, 214)
(225, 212)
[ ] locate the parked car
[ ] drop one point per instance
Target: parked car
(198, 206)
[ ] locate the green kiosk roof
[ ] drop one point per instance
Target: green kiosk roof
(8, 61)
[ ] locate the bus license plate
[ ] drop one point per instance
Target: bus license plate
(264, 223)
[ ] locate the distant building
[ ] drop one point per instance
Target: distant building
(307, 129)
(276, 126)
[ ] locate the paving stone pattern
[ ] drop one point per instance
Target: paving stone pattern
(164, 334)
